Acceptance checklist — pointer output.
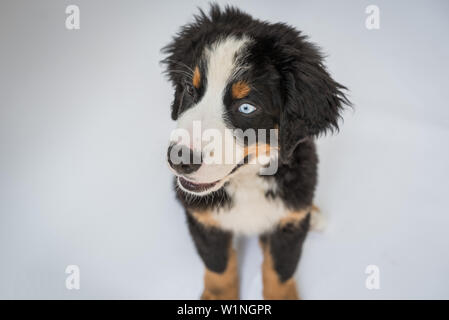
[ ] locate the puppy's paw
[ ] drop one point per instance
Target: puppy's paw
(231, 294)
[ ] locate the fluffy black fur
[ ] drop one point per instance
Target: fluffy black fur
(304, 100)
(296, 94)
(285, 245)
(211, 243)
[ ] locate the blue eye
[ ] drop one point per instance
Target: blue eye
(247, 108)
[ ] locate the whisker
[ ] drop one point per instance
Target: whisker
(185, 73)
(182, 64)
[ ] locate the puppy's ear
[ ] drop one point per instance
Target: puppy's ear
(178, 68)
(181, 56)
(313, 101)
(177, 101)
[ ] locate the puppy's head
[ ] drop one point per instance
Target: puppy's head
(230, 72)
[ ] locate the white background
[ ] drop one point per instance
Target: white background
(84, 125)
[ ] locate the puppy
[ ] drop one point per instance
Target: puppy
(233, 74)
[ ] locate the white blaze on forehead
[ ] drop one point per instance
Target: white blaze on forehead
(222, 62)
(222, 59)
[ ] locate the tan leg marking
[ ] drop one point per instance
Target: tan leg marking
(294, 217)
(222, 286)
(273, 288)
(206, 218)
(219, 286)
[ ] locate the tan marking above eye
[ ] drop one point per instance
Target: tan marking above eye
(196, 77)
(240, 90)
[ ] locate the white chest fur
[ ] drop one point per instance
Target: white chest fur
(252, 212)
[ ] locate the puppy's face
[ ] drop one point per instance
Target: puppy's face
(232, 89)
(223, 91)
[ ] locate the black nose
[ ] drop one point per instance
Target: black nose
(183, 159)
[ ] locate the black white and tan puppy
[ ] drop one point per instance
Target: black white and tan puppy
(230, 71)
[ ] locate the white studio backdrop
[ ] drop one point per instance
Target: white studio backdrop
(84, 126)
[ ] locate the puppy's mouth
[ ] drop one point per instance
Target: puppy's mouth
(196, 187)
(204, 188)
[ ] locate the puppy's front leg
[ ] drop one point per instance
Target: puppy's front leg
(215, 249)
(282, 250)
